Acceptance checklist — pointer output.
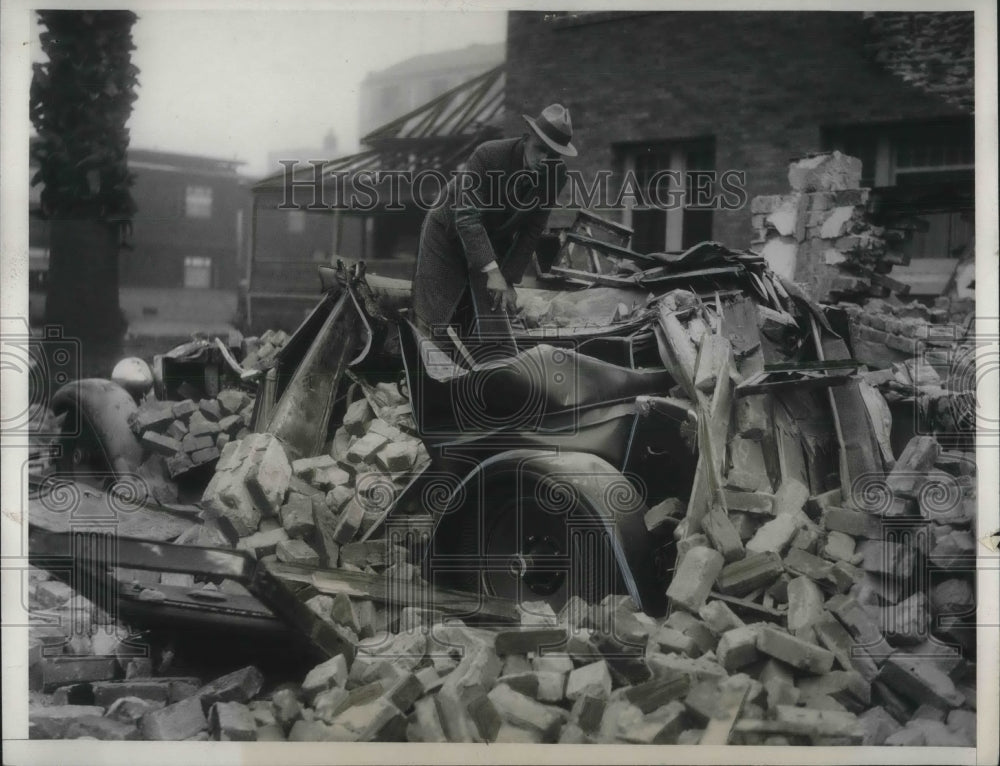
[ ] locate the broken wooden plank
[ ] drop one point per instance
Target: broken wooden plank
(281, 598)
(588, 277)
(382, 589)
(739, 324)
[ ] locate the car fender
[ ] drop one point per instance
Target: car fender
(605, 493)
(107, 408)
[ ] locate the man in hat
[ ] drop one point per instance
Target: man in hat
(476, 243)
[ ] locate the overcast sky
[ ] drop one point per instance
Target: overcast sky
(237, 84)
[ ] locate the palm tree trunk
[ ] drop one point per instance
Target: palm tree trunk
(83, 291)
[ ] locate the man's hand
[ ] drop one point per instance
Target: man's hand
(501, 294)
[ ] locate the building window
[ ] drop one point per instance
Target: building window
(657, 229)
(197, 271)
(198, 202)
(296, 221)
(923, 177)
(908, 153)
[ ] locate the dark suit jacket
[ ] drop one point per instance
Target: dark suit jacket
(500, 220)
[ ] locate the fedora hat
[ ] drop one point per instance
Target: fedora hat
(554, 127)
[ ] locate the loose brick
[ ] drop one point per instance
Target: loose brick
(297, 516)
(453, 715)
(184, 409)
(737, 648)
(146, 689)
(160, 444)
(131, 709)
(206, 455)
(796, 652)
(349, 522)
(920, 681)
(268, 472)
(210, 409)
(755, 571)
(911, 468)
(758, 503)
(700, 669)
(722, 534)
(324, 676)
(848, 687)
(659, 691)
(820, 722)
(232, 722)
(296, 552)
(65, 670)
(790, 498)
(181, 720)
(805, 603)
(226, 496)
(668, 640)
(661, 519)
(587, 712)
(330, 478)
(694, 578)
(660, 727)
(593, 680)
(230, 426)
(263, 543)
(524, 712)
(425, 725)
(775, 535)
(52, 721)
(878, 726)
(232, 401)
(154, 416)
(192, 443)
(285, 707)
(364, 449)
(851, 522)
(101, 728)
(525, 640)
(719, 617)
(357, 417)
(694, 628)
(396, 457)
(199, 425)
(889, 558)
(239, 686)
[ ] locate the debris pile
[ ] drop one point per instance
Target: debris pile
(591, 674)
(818, 584)
(259, 351)
(884, 332)
(820, 234)
(309, 511)
(182, 435)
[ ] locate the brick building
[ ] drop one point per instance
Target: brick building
(751, 90)
(188, 234)
(187, 229)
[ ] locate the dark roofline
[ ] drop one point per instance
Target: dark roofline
(388, 130)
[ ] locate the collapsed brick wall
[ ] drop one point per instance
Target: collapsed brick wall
(820, 234)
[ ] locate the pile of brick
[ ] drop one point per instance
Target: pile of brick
(820, 234)
(259, 351)
(180, 436)
(887, 331)
(311, 510)
(91, 683)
